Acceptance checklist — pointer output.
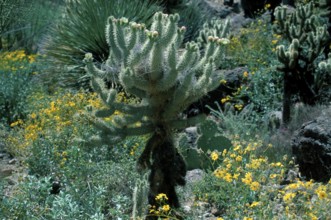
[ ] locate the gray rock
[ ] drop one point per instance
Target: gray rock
(194, 175)
(12, 161)
(6, 172)
(311, 147)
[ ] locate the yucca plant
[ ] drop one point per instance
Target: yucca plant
(81, 30)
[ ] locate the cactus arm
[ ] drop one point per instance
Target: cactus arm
(326, 65)
(171, 29)
(110, 37)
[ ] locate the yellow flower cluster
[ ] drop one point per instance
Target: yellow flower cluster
(52, 117)
(163, 208)
(224, 100)
(240, 169)
(15, 60)
(241, 164)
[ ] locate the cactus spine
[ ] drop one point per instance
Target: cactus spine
(307, 39)
(150, 65)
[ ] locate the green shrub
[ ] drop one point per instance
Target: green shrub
(82, 30)
(16, 72)
(248, 186)
(252, 46)
(45, 143)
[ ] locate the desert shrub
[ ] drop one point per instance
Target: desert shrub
(252, 45)
(245, 185)
(30, 200)
(82, 30)
(16, 72)
(50, 121)
(260, 91)
(89, 190)
(45, 140)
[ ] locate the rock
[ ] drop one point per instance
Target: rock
(6, 172)
(274, 120)
(218, 10)
(12, 161)
(311, 147)
(234, 79)
(194, 175)
(11, 181)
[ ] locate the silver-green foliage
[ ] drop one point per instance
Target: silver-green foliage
(307, 36)
(215, 28)
(150, 65)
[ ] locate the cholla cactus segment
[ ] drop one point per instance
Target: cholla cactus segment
(289, 58)
(326, 65)
(301, 28)
(216, 28)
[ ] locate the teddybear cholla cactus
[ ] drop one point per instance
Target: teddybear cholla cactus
(216, 28)
(307, 39)
(150, 65)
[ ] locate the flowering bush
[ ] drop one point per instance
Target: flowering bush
(45, 142)
(246, 185)
(16, 72)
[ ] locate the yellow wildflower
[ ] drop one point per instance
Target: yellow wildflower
(245, 74)
(223, 81)
(161, 196)
(228, 177)
(255, 186)
(238, 106)
(248, 178)
(288, 197)
(219, 173)
(321, 193)
(225, 151)
(214, 155)
(239, 158)
(254, 204)
(166, 208)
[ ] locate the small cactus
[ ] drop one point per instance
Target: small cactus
(214, 28)
(307, 39)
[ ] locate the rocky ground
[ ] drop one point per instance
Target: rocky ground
(10, 171)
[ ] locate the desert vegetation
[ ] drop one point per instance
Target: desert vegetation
(131, 109)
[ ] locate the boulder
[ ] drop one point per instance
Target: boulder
(311, 147)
